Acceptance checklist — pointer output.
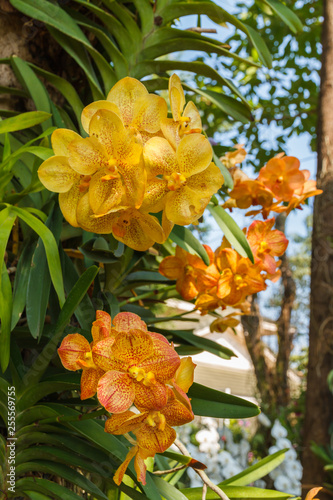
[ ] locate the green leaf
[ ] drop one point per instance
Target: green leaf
(51, 249)
(259, 45)
(168, 491)
(185, 239)
(98, 255)
(202, 343)
(66, 89)
(231, 230)
(38, 290)
(287, 15)
(21, 282)
(53, 490)
(228, 181)
(23, 120)
(147, 277)
(36, 392)
(73, 300)
(237, 492)
(63, 471)
(52, 15)
(208, 402)
(146, 13)
(34, 87)
(5, 315)
(258, 470)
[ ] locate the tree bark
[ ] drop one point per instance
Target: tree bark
(319, 401)
(284, 332)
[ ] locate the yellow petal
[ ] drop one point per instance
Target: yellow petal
(108, 128)
(134, 179)
(154, 196)
(87, 155)
(148, 113)
(167, 225)
(92, 108)
(56, 174)
(68, 203)
(60, 140)
(170, 130)
(191, 111)
(86, 220)
(185, 374)
(207, 182)
(105, 195)
(185, 206)
(137, 230)
(125, 94)
(194, 154)
(159, 157)
(176, 96)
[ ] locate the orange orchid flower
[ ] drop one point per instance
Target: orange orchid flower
(153, 432)
(239, 277)
(137, 364)
(228, 321)
(251, 192)
(312, 493)
(75, 353)
(185, 268)
(282, 176)
(266, 244)
(233, 158)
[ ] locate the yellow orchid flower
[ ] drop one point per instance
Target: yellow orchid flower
(138, 110)
(189, 178)
(183, 121)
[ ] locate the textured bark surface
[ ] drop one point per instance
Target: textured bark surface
(319, 401)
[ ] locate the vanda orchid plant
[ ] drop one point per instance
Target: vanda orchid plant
(99, 370)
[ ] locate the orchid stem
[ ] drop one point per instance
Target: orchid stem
(201, 473)
(146, 295)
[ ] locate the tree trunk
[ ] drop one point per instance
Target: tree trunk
(319, 401)
(284, 332)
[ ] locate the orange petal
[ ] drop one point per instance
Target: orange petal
(140, 466)
(163, 362)
(312, 493)
(153, 397)
(101, 328)
(120, 472)
(122, 423)
(89, 382)
(125, 94)
(61, 138)
(92, 108)
(177, 414)
(132, 347)
(154, 440)
(72, 349)
(171, 267)
(224, 285)
(102, 356)
(116, 391)
(126, 321)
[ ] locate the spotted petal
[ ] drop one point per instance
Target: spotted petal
(106, 196)
(185, 206)
(194, 154)
(148, 113)
(159, 157)
(120, 472)
(72, 349)
(207, 182)
(103, 357)
(89, 382)
(154, 440)
(132, 347)
(116, 391)
(152, 397)
(177, 414)
(125, 94)
(121, 423)
(163, 362)
(92, 108)
(126, 321)
(60, 140)
(87, 155)
(68, 203)
(137, 230)
(108, 128)
(86, 219)
(56, 174)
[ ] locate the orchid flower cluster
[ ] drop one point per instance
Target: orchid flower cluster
(229, 278)
(135, 162)
(139, 379)
(280, 186)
